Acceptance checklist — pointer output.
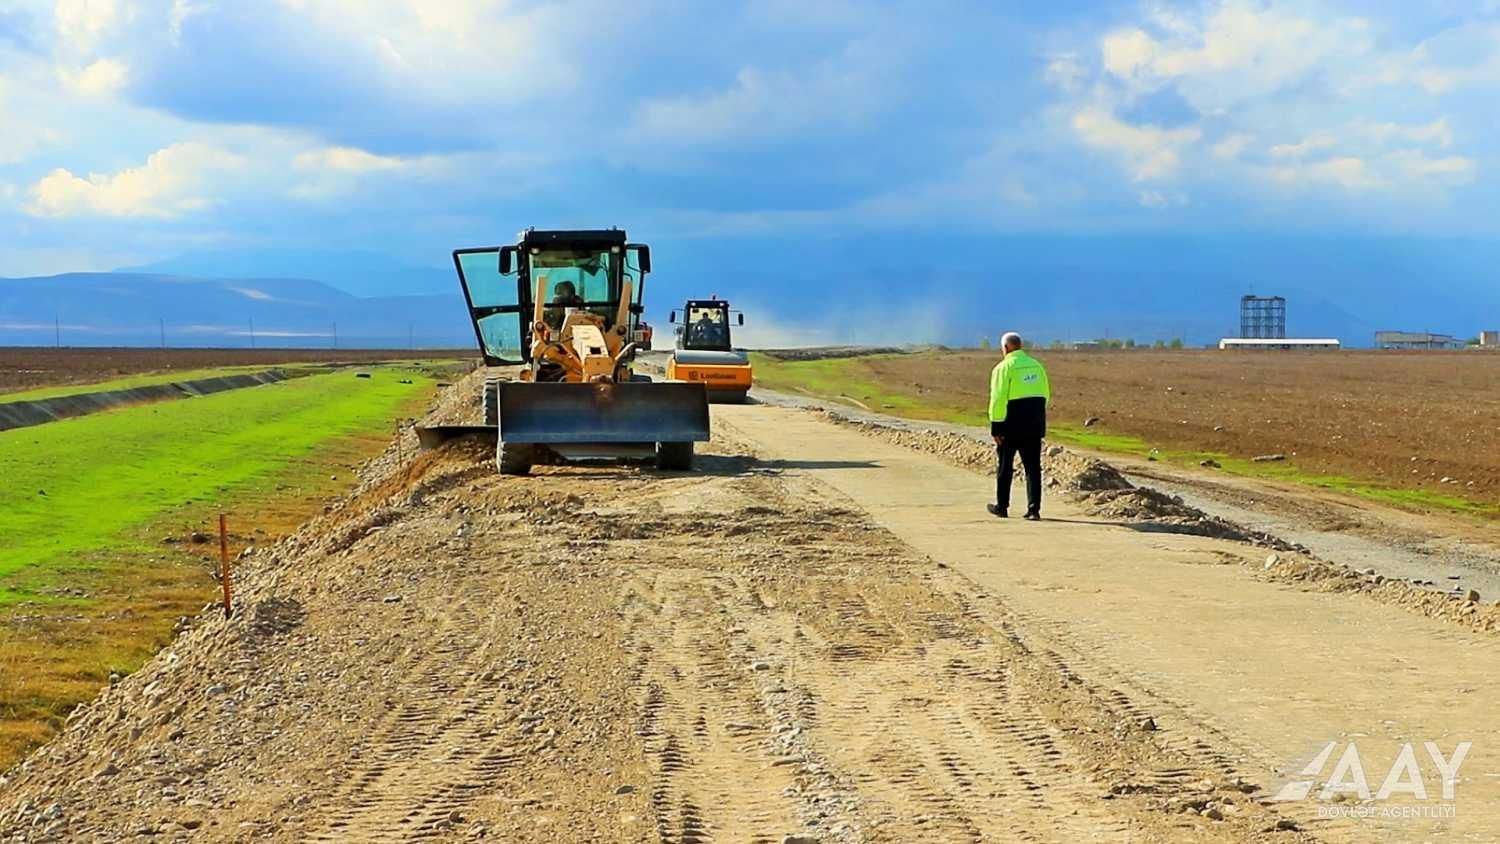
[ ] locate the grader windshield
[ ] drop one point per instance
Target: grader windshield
(576, 278)
(571, 270)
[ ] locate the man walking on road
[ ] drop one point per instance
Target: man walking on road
(1019, 393)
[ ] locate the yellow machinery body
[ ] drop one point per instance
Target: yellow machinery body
(725, 381)
(705, 352)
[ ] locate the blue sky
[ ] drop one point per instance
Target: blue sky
(136, 130)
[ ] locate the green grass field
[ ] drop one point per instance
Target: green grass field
(78, 487)
(87, 587)
(845, 380)
(849, 381)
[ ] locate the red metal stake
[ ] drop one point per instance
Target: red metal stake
(224, 562)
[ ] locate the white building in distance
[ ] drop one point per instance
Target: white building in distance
(1278, 343)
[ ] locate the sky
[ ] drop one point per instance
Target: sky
(132, 131)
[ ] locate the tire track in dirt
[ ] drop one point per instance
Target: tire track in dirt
(714, 775)
(1184, 730)
(936, 725)
(865, 697)
(434, 751)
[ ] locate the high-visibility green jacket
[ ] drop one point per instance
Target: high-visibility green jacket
(1019, 393)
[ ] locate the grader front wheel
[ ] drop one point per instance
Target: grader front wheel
(674, 457)
(514, 458)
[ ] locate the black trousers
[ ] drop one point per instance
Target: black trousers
(1030, 451)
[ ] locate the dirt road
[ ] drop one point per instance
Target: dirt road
(1264, 673)
(813, 638)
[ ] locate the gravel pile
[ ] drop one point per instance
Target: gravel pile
(1100, 486)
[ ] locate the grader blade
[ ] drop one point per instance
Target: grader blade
(601, 414)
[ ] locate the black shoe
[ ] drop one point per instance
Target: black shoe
(1032, 516)
(995, 510)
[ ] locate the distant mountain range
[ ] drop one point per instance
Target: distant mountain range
(877, 289)
(358, 273)
(136, 309)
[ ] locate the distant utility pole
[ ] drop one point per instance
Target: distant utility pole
(252, 332)
(57, 331)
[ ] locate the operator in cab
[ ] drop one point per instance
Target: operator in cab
(708, 331)
(1019, 393)
(564, 296)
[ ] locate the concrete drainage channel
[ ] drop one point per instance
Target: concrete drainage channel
(23, 414)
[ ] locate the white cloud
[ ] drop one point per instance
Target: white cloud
(1239, 50)
(1312, 143)
(98, 79)
(1292, 95)
(1128, 52)
(173, 181)
(45, 326)
(1361, 157)
(1231, 146)
(753, 95)
(1161, 199)
(839, 91)
(1066, 72)
(1460, 56)
(467, 52)
(326, 173)
(1346, 172)
(21, 138)
(1451, 169)
(1151, 152)
(21, 141)
(1438, 132)
(241, 331)
(82, 23)
(346, 160)
(1408, 171)
(181, 11)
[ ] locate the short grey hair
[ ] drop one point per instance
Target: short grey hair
(1010, 340)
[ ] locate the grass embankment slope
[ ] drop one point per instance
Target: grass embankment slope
(1331, 415)
(87, 586)
(128, 382)
(148, 379)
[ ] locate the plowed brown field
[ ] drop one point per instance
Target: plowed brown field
(1404, 420)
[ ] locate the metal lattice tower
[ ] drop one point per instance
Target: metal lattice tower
(1263, 317)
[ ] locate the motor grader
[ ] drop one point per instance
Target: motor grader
(564, 308)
